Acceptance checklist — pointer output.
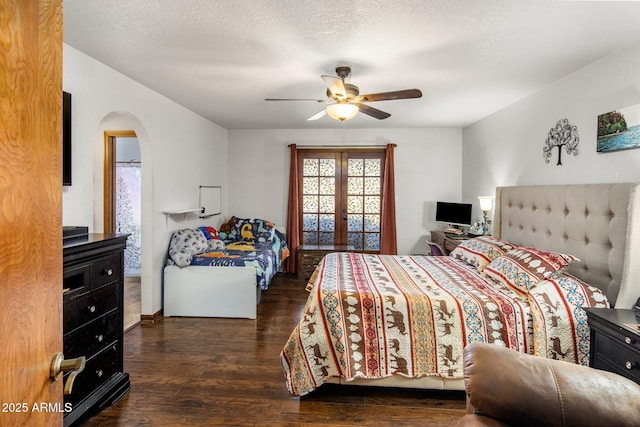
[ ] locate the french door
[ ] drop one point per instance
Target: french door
(340, 197)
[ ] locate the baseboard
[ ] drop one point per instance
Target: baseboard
(133, 325)
(152, 319)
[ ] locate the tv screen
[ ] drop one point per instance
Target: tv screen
(453, 213)
(66, 138)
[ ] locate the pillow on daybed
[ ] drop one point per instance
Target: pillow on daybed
(185, 244)
(480, 251)
(523, 267)
(250, 229)
(557, 310)
(213, 240)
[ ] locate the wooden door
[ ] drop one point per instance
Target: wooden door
(110, 185)
(30, 211)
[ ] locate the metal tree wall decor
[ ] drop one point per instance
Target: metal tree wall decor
(565, 137)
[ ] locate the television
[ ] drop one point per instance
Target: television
(66, 138)
(453, 213)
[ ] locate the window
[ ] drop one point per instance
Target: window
(340, 197)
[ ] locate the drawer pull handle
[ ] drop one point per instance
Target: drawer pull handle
(91, 308)
(59, 365)
(627, 340)
(108, 272)
(99, 338)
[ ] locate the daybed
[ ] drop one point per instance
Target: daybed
(211, 275)
(404, 321)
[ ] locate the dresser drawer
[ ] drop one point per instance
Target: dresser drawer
(612, 353)
(310, 260)
(450, 245)
(87, 307)
(93, 337)
(96, 372)
(76, 279)
(437, 237)
(307, 262)
(106, 270)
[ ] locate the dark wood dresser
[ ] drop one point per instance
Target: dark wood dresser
(93, 284)
(309, 256)
(615, 341)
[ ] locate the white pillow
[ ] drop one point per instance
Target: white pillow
(185, 244)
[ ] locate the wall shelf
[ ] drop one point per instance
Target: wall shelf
(181, 211)
(210, 201)
(184, 212)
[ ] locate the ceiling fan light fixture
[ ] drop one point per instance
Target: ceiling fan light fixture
(342, 111)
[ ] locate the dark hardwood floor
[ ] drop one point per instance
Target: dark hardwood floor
(204, 371)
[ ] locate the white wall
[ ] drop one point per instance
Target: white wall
(506, 148)
(180, 151)
(427, 166)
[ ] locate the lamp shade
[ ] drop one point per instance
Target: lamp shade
(342, 111)
(486, 202)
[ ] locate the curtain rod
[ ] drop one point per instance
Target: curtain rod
(342, 146)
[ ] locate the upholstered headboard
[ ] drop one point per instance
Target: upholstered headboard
(598, 223)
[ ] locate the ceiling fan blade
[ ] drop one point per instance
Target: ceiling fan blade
(335, 85)
(387, 96)
(296, 99)
(320, 114)
(373, 112)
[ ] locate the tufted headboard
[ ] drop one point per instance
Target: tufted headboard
(598, 223)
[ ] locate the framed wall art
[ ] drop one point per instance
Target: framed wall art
(619, 129)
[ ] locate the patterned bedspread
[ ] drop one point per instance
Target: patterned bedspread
(374, 316)
(264, 257)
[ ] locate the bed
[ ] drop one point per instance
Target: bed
(226, 273)
(402, 321)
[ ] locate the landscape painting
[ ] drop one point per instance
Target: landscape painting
(619, 130)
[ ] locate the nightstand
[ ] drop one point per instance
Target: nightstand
(615, 341)
(309, 256)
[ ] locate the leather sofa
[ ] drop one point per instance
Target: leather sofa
(508, 388)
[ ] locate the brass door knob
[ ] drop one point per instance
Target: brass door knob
(59, 365)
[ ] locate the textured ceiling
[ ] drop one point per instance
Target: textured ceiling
(470, 58)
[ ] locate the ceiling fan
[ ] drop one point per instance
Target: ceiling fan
(345, 100)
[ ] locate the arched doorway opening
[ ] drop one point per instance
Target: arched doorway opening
(124, 124)
(122, 212)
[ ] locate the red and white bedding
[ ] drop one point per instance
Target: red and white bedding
(374, 316)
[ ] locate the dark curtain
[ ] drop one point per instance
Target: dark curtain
(388, 240)
(293, 213)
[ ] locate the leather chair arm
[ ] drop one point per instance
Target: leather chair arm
(524, 390)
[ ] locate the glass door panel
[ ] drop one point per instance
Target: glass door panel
(319, 184)
(364, 190)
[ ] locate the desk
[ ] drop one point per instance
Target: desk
(447, 241)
